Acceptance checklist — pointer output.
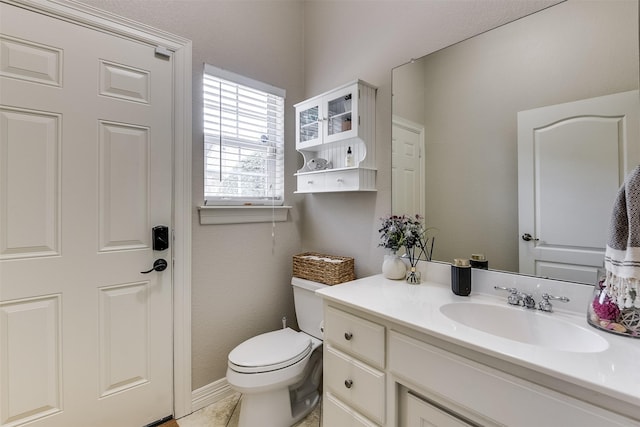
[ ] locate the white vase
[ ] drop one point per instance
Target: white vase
(393, 267)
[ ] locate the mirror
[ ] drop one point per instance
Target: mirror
(461, 104)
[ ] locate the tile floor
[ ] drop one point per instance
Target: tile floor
(225, 413)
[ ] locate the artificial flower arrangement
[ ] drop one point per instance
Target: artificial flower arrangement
(398, 231)
(616, 307)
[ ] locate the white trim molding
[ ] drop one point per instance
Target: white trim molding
(180, 50)
(210, 394)
(241, 214)
(182, 215)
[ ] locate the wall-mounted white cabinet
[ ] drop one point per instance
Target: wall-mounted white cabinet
(328, 125)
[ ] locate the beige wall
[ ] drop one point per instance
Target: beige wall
(240, 277)
(408, 92)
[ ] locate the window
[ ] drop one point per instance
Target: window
(243, 140)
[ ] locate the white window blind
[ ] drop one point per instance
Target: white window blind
(243, 140)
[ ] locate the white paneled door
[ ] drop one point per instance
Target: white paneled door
(572, 158)
(85, 173)
(408, 171)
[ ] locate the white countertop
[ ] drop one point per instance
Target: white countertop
(614, 371)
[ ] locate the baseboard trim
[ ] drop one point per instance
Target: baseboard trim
(210, 393)
(161, 422)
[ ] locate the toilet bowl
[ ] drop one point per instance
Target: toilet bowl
(279, 373)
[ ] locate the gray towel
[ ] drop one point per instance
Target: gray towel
(622, 255)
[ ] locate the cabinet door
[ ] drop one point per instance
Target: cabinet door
(341, 114)
(335, 413)
(420, 413)
(309, 124)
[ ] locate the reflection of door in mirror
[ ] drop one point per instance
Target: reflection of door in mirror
(407, 171)
(572, 158)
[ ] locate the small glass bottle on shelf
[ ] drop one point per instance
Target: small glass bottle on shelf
(348, 159)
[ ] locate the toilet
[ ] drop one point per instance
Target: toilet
(279, 373)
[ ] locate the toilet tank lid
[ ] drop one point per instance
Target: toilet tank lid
(271, 348)
(307, 284)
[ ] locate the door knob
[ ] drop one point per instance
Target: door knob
(158, 265)
(528, 237)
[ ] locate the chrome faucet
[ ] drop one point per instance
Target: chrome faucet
(514, 297)
(545, 304)
(518, 298)
(526, 300)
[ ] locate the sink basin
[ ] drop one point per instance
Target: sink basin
(529, 327)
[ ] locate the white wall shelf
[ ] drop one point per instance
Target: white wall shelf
(328, 125)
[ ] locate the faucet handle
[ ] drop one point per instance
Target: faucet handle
(548, 297)
(545, 304)
(514, 297)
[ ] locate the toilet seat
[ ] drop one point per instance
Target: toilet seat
(270, 351)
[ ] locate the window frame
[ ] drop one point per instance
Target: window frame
(227, 200)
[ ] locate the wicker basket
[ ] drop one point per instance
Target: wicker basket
(327, 269)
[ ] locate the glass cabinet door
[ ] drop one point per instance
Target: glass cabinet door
(341, 114)
(308, 122)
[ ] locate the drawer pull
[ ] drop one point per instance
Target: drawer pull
(348, 383)
(309, 182)
(340, 180)
(348, 336)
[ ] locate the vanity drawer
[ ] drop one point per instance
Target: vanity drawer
(356, 336)
(357, 384)
(336, 413)
(310, 182)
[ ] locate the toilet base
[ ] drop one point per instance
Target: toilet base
(284, 406)
(275, 407)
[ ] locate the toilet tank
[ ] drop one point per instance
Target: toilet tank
(308, 305)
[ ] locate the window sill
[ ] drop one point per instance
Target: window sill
(210, 215)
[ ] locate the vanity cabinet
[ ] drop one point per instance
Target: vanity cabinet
(354, 378)
(489, 396)
(326, 127)
(381, 373)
